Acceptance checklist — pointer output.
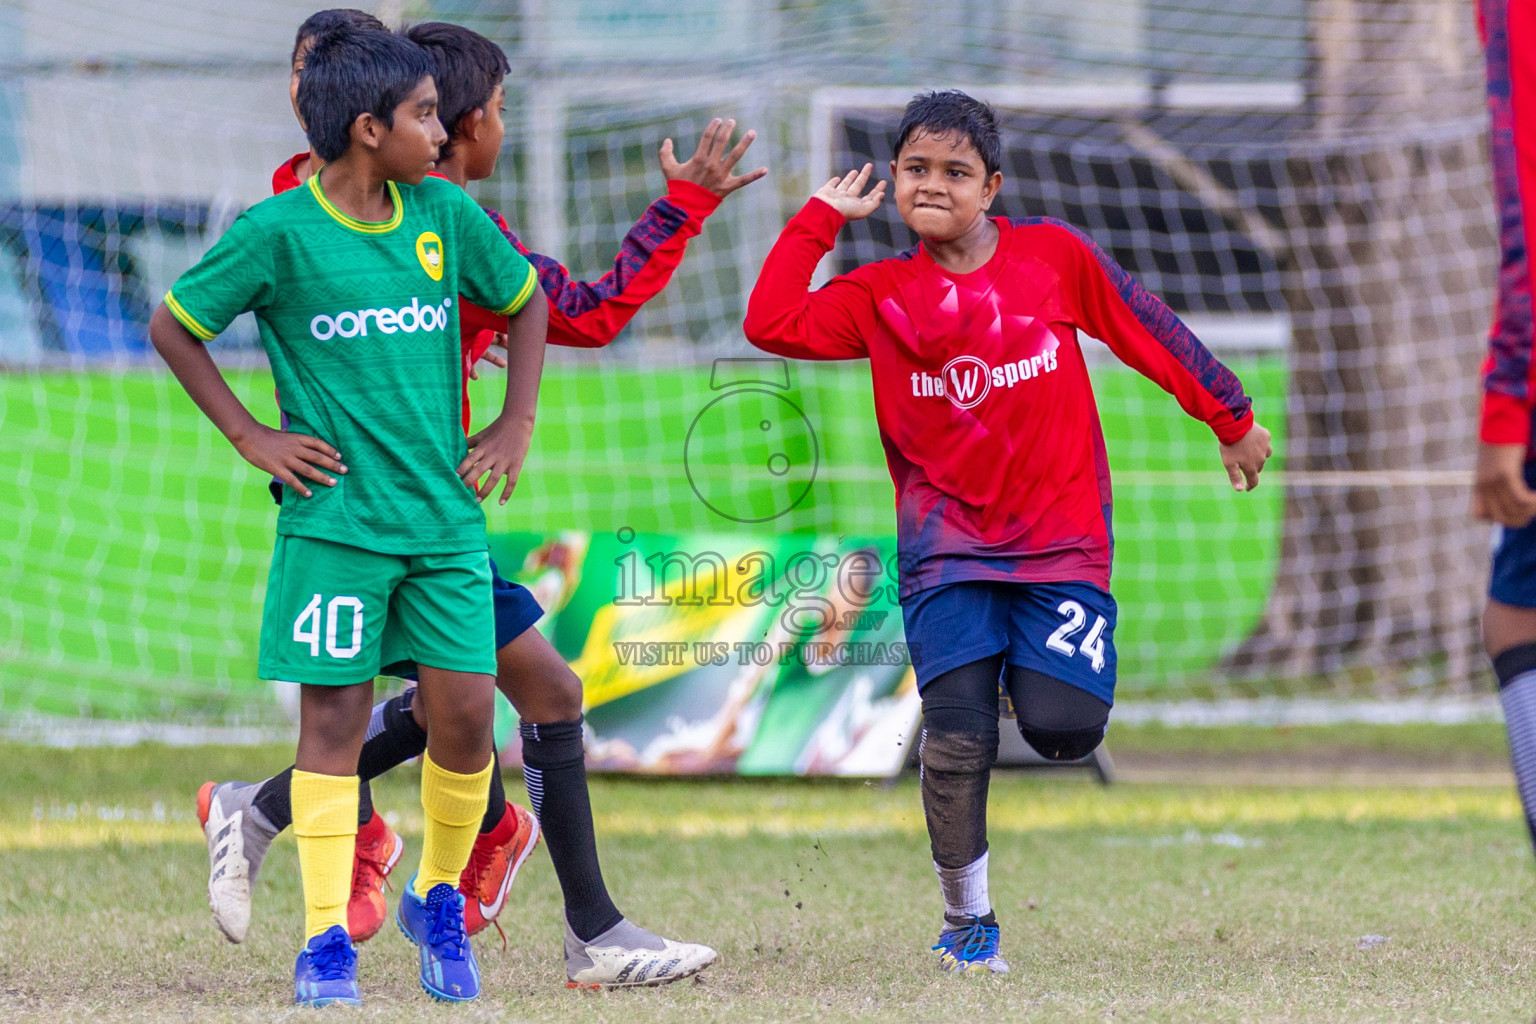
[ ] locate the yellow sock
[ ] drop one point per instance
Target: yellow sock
(325, 824)
(454, 805)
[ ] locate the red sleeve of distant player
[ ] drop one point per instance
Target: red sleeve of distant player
(286, 176)
(1509, 372)
(788, 319)
(590, 314)
(1146, 335)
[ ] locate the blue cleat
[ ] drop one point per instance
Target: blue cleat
(326, 971)
(970, 948)
(436, 926)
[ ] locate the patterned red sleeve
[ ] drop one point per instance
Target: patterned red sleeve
(585, 314)
(1509, 387)
(1146, 335)
(788, 319)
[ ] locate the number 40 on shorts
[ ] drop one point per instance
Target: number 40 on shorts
(306, 628)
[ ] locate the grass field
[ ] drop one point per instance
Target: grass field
(1136, 902)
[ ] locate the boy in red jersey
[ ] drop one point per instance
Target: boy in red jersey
(993, 441)
(1506, 459)
(600, 943)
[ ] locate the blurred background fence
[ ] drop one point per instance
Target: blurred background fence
(1304, 180)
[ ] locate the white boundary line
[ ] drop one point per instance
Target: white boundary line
(1262, 711)
(71, 732)
(1281, 711)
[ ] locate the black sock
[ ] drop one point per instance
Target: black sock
(555, 769)
(496, 806)
(272, 800)
(364, 802)
(393, 738)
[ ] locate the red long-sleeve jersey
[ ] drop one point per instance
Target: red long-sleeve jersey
(583, 314)
(1509, 374)
(982, 397)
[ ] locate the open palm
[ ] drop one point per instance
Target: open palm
(846, 194)
(711, 164)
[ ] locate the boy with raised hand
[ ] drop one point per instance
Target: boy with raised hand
(1002, 483)
(602, 947)
(354, 281)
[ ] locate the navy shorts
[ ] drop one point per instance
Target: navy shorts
(1513, 580)
(516, 612)
(1062, 630)
(516, 608)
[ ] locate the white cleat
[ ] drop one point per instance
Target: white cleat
(627, 956)
(237, 844)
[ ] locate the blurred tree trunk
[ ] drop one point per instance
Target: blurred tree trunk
(1389, 257)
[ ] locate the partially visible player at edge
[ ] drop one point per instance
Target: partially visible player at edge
(1002, 483)
(530, 672)
(1506, 458)
(385, 561)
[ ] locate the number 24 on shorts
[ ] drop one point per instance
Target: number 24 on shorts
(1092, 646)
(306, 628)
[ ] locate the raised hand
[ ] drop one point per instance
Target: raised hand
(1245, 459)
(846, 194)
(710, 166)
(289, 456)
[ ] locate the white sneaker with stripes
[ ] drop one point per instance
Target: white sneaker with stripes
(628, 956)
(237, 844)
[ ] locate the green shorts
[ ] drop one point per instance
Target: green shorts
(335, 615)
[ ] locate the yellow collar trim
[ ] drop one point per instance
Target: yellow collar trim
(363, 226)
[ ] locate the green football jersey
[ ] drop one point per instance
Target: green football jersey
(360, 322)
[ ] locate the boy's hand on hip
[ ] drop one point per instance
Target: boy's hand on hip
(289, 456)
(497, 451)
(1499, 491)
(846, 194)
(710, 166)
(1245, 459)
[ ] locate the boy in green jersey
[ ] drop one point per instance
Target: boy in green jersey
(354, 280)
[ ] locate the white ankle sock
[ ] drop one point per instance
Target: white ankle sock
(965, 890)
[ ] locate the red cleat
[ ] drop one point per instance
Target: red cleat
(493, 864)
(378, 851)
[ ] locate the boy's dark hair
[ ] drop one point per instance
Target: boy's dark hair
(323, 23)
(952, 112)
(348, 74)
(469, 68)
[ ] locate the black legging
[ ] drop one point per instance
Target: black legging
(959, 744)
(1061, 721)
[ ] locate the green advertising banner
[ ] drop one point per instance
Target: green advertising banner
(710, 654)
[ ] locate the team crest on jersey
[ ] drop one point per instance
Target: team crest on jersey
(429, 250)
